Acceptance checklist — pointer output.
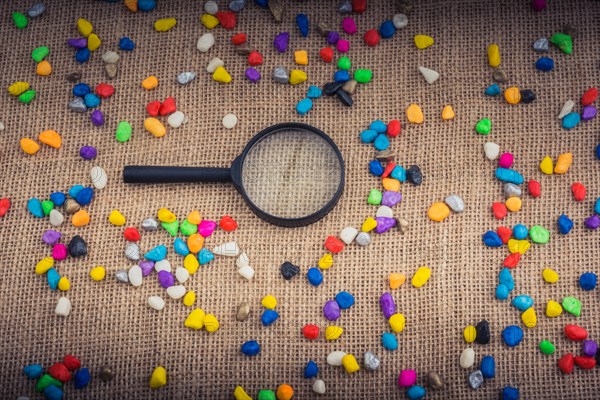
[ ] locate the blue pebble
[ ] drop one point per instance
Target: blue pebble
(520, 232)
(545, 64)
(510, 393)
(399, 173)
(262, 3)
(588, 281)
(181, 247)
(53, 392)
(376, 168)
(509, 175)
(74, 190)
(314, 276)
(491, 239)
(341, 76)
(304, 106)
(82, 378)
(268, 317)
(33, 371)
(598, 152)
(570, 120)
(596, 206)
(81, 89)
(381, 142)
(146, 5)
(84, 196)
(35, 207)
(302, 22)
(58, 198)
(512, 335)
(53, 278)
(314, 92)
(378, 126)
(125, 43)
(91, 100)
(488, 367)
(205, 256)
(389, 341)
(251, 348)
(311, 370)
(564, 224)
(368, 136)
(416, 392)
(506, 278)
(522, 302)
(387, 29)
(493, 90)
(345, 300)
(502, 291)
(156, 254)
(82, 55)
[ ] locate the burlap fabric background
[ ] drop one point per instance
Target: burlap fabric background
(112, 324)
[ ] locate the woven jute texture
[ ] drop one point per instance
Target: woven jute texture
(111, 323)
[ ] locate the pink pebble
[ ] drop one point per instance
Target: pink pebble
(206, 227)
(538, 5)
(506, 160)
(59, 252)
(349, 26)
(407, 378)
(342, 46)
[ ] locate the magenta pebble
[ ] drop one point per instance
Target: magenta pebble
(538, 5)
(506, 160)
(343, 46)
(388, 306)
(349, 26)
(59, 252)
(407, 378)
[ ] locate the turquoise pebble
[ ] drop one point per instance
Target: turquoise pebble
(156, 254)
(381, 142)
(85, 196)
(52, 392)
(304, 106)
(492, 90)
(399, 173)
(314, 276)
(506, 278)
(522, 302)
(416, 392)
(53, 278)
(180, 247)
(512, 335)
(58, 198)
(376, 168)
(389, 341)
(205, 256)
(91, 100)
(33, 371)
(368, 136)
(520, 232)
(314, 92)
(570, 120)
(509, 175)
(491, 239)
(502, 291)
(35, 207)
(597, 206)
(74, 190)
(378, 126)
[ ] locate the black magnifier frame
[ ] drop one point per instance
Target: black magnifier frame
(167, 174)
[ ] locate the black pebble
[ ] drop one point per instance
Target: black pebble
(483, 332)
(74, 77)
(289, 270)
(344, 97)
(527, 96)
(77, 247)
(331, 88)
(414, 175)
(106, 374)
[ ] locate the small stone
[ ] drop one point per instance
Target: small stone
(63, 307)
(429, 74)
(414, 175)
(492, 150)
(289, 270)
(237, 5)
(350, 86)
(345, 98)
(243, 311)
(588, 113)
(205, 42)
(176, 119)
(345, 7)
(400, 21)
(527, 96)
(36, 10)
(363, 239)
(230, 121)
(563, 42)
(541, 45)
(122, 276)
(77, 247)
(276, 9)
(484, 126)
(483, 332)
(186, 77)
(111, 70)
(77, 105)
(455, 202)
(512, 190)
(499, 76)
(214, 64)
(281, 75)
(156, 302)
(323, 29)
(434, 380)
(572, 306)
(150, 224)
(371, 361)
(475, 379)
(467, 358)
(319, 386)
(348, 234)
(106, 374)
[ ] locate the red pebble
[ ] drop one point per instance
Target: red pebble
(579, 191)
(104, 90)
(334, 244)
(504, 233)
(499, 210)
(575, 333)
(239, 38)
(534, 187)
(4, 206)
(71, 362)
(167, 107)
(512, 260)
(393, 128)
(255, 58)
(585, 362)
(326, 54)
(310, 332)
(152, 108)
(566, 363)
(132, 234)
(388, 169)
(359, 6)
(371, 37)
(228, 224)
(589, 96)
(59, 372)
(226, 19)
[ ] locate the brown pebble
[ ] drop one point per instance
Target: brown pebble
(385, 155)
(71, 206)
(106, 374)
(74, 77)
(243, 311)
(435, 381)
(243, 49)
(111, 70)
(569, 29)
(350, 86)
(405, 6)
(499, 76)
(276, 9)
(402, 225)
(323, 29)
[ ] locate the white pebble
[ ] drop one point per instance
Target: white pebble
(56, 218)
(429, 74)
(455, 202)
(99, 177)
(242, 260)
(567, 108)
(185, 119)
(211, 7)
(156, 302)
(348, 234)
(205, 42)
(132, 251)
(335, 358)
(176, 119)
(135, 275)
(214, 64)
(182, 274)
(400, 21)
(319, 386)
(384, 211)
(176, 292)
(110, 57)
(246, 272)
(162, 265)
(229, 121)
(467, 358)
(229, 249)
(491, 150)
(63, 307)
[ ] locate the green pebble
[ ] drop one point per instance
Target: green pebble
(484, 126)
(563, 42)
(123, 132)
(572, 305)
(47, 206)
(374, 197)
(539, 235)
(344, 63)
(363, 75)
(45, 381)
(546, 347)
(187, 228)
(39, 53)
(171, 227)
(266, 395)
(27, 96)
(20, 20)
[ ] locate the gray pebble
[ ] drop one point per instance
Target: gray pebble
(122, 276)
(110, 57)
(371, 361)
(405, 6)
(350, 86)
(36, 10)
(569, 29)
(435, 381)
(386, 155)
(363, 239)
(243, 49)
(71, 206)
(323, 29)
(499, 76)
(455, 202)
(475, 379)
(276, 9)
(150, 224)
(242, 312)
(345, 7)
(402, 225)
(186, 77)
(111, 70)
(541, 45)
(400, 21)
(78, 105)
(132, 251)
(74, 77)
(106, 374)
(510, 190)
(280, 74)
(237, 5)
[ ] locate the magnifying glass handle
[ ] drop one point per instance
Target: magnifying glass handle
(159, 174)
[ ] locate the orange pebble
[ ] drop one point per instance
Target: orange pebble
(195, 242)
(194, 217)
(80, 218)
(29, 146)
(43, 68)
(391, 184)
(131, 5)
(51, 138)
(396, 280)
(284, 392)
(150, 82)
(513, 203)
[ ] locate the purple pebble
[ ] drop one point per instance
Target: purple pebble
(333, 37)
(384, 224)
(592, 222)
(97, 118)
(388, 306)
(281, 41)
(391, 198)
(166, 279)
(51, 237)
(590, 348)
(588, 112)
(147, 267)
(88, 152)
(331, 310)
(253, 75)
(78, 43)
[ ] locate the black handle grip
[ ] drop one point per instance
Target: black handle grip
(159, 174)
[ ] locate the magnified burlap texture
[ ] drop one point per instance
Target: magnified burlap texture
(111, 323)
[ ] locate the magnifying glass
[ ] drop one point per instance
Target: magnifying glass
(290, 174)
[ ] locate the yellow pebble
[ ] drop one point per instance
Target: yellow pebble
(529, 318)
(98, 273)
(414, 114)
(195, 319)
(64, 284)
(44, 265)
(190, 298)
(155, 127)
(369, 225)
(438, 212)
(512, 95)
(116, 218)
(448, 113)
(150, 82)
(18, 88)
(240, 394)
(397, 322)
(421, 277)
(563, 163)
(195, 242)
(269, 302)
(350, 364)
(158, 378)
(423, 41)
(518, 246)
(396, 280)
(164, 24)
(209, 21)
(211, 323)
(84, 27)
(326, 261)
(333, 332)
(131, 5)
(29, 146)
(194, 217)
(80, 218)
(43, 68)
(547, 166)
(391, 184)
(493, 55)
(221, 75)
(549, 275)
(50, 138)
(470, 333)
(93, 42)
(297, 76)
(513, 203)
(190, 262)
(165, 215)
(553, 309)
(301, 57)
